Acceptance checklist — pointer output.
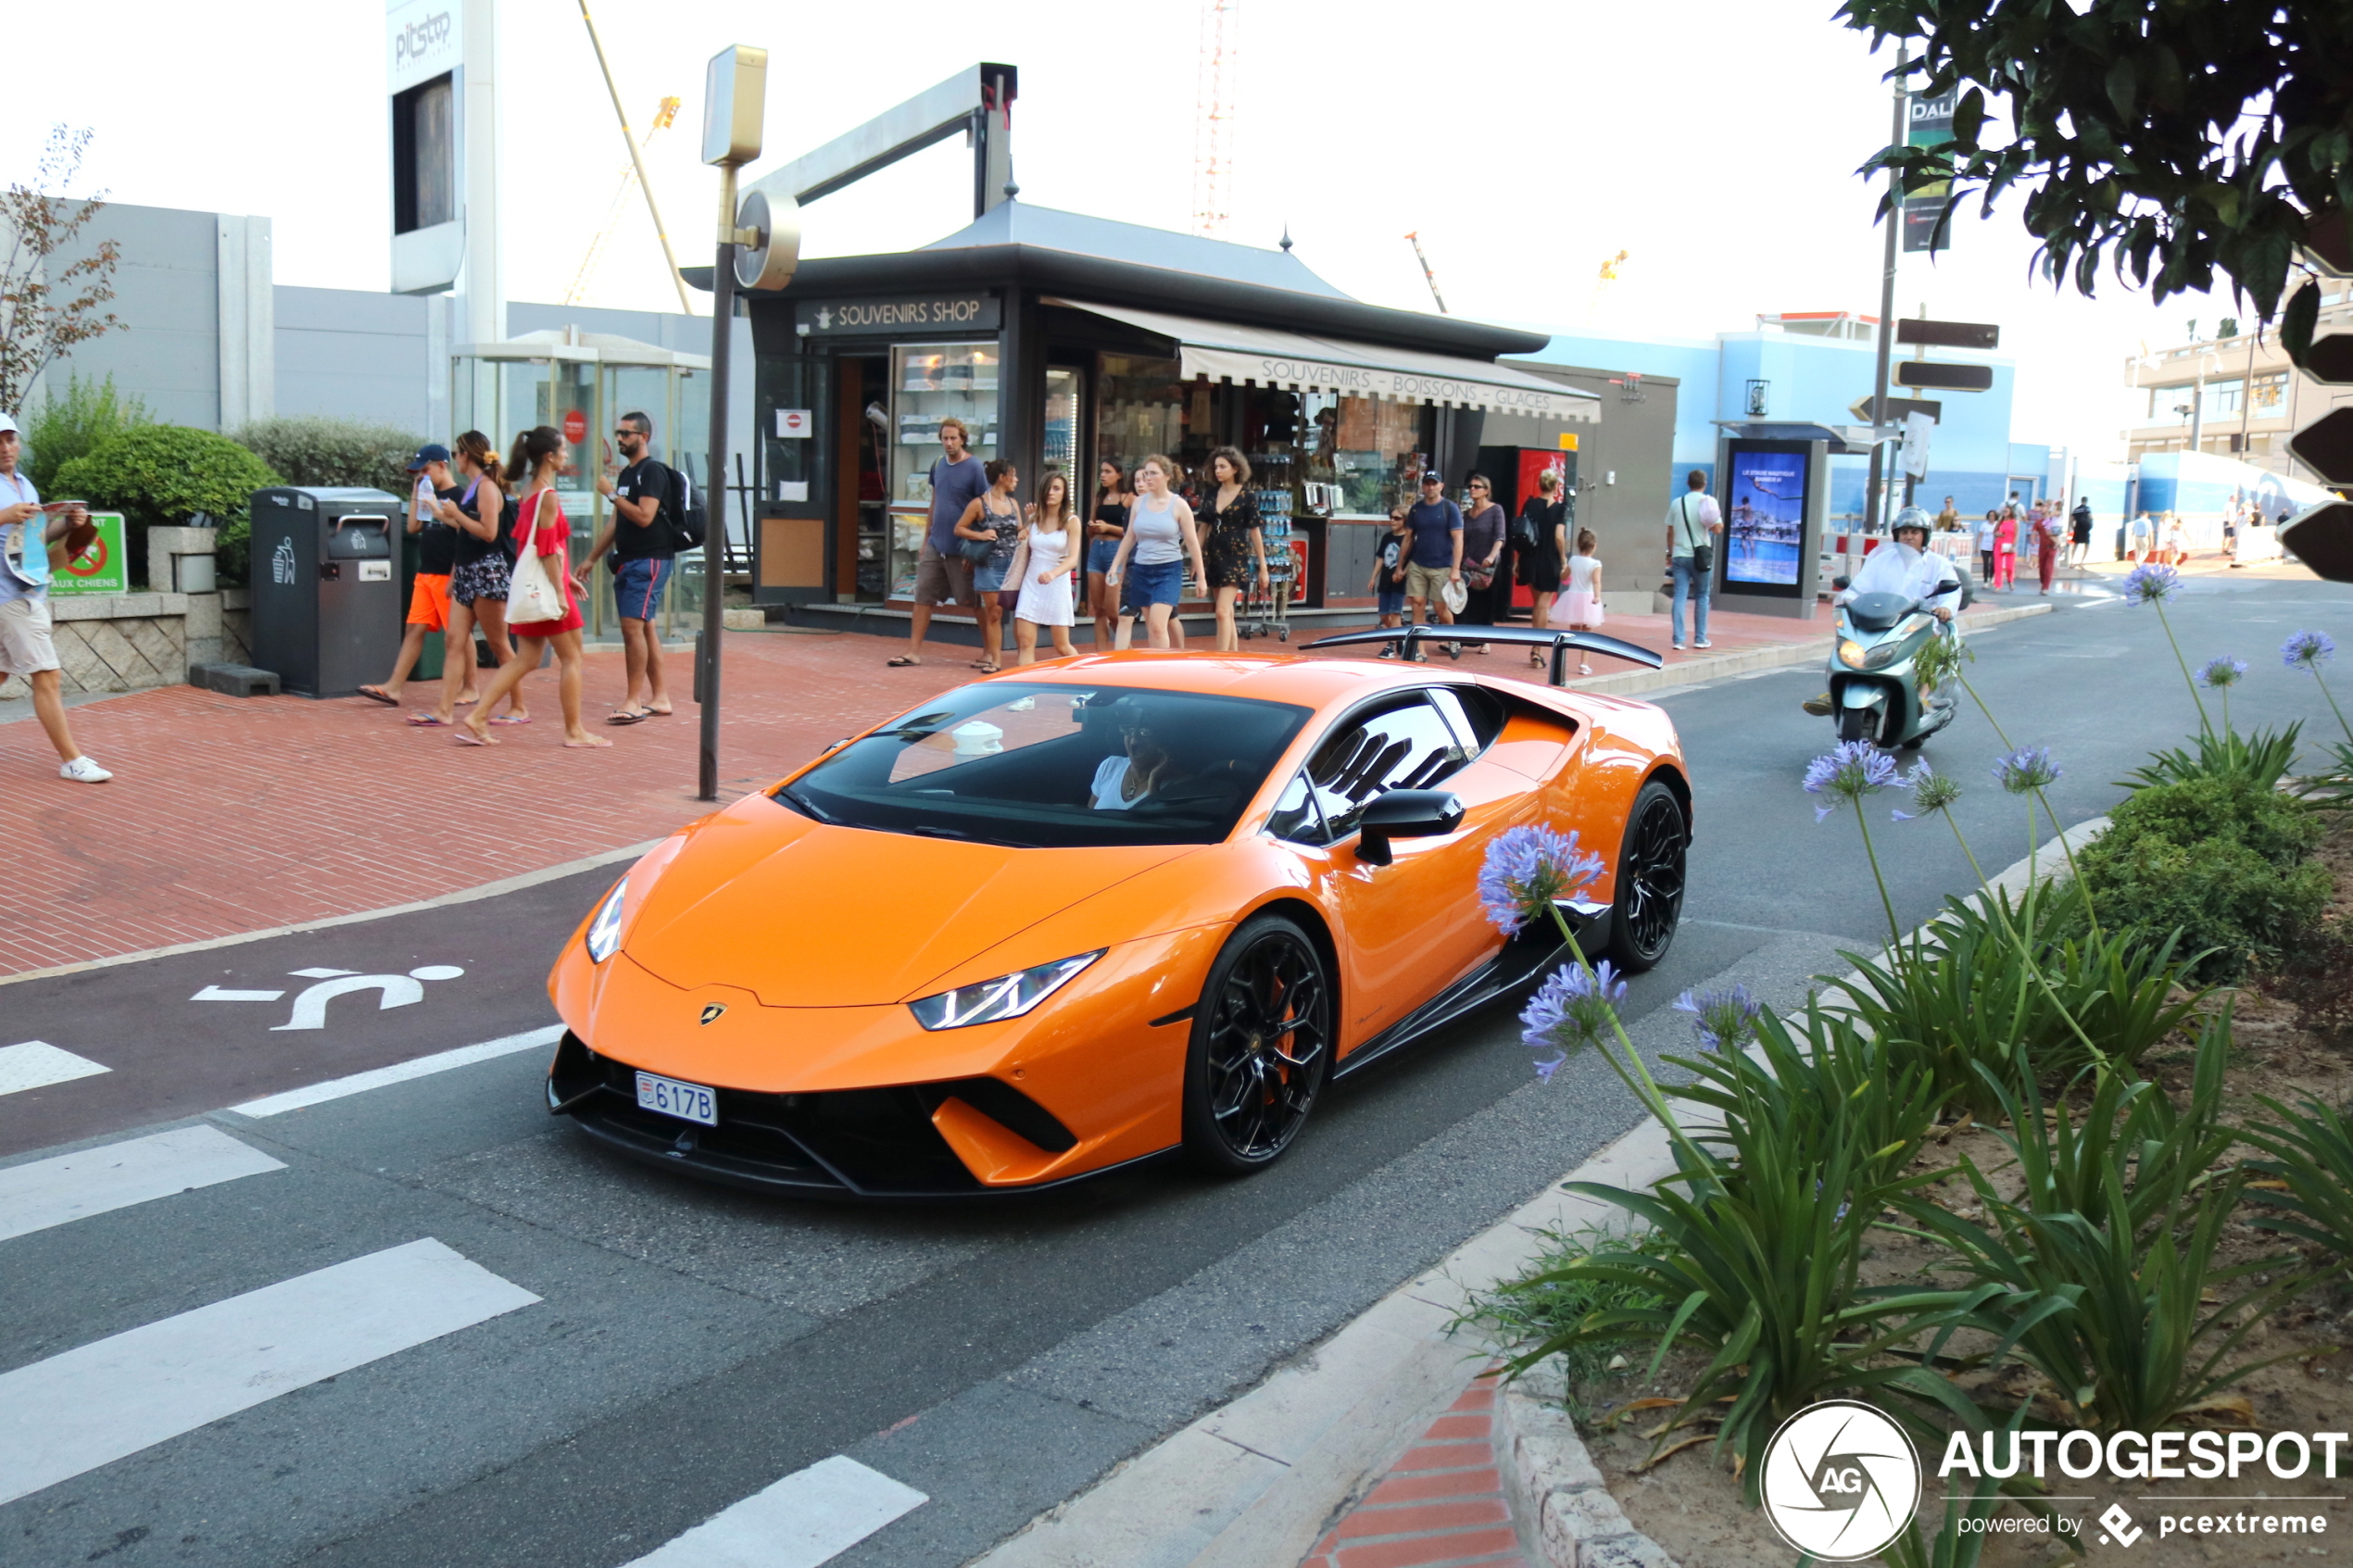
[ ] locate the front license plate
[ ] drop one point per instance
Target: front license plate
(688, 1102)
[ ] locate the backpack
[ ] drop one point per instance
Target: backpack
(510, 518)
(685, 520)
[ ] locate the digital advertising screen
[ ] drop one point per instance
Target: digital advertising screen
(1764, 517)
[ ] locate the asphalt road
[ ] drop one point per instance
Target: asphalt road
(425, 1324)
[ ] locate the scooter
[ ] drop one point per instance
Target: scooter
(1875, 692)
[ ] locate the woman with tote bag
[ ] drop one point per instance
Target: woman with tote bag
(543, 604)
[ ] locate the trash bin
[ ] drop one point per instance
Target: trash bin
(325, 582)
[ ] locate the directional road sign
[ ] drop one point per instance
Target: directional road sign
(2331, 359)
(1944, 375)
(2326, 446)
(1926, 333)
(2321, 537)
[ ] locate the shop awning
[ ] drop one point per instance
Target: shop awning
(1263, 356)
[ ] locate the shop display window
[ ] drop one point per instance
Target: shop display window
(1141, 407)
(930, 382)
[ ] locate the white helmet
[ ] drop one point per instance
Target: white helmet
(1910, 517)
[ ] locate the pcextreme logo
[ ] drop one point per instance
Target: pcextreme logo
(1842, 1481)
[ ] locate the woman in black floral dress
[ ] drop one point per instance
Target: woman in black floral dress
(1232, 539)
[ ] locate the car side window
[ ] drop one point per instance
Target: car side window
(1408, 745)
(1475, 716)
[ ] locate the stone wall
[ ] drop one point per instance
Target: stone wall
(122, 642)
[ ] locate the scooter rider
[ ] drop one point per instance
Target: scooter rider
(1907, 568)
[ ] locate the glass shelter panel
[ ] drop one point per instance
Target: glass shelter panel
(930, 382)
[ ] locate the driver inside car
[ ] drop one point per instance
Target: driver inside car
(1908, 569)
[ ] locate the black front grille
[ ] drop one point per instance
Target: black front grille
(871, 1143)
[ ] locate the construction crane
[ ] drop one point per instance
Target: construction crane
(1215, 75)
(636, 158)
(1427, 276)
(1608, 273)
(578, 293)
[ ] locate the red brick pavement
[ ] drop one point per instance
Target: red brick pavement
(231, 815)
(1440, 1506)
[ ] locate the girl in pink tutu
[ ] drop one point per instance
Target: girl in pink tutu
(1581, 603)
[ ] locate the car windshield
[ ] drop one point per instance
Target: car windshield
(1037, 766)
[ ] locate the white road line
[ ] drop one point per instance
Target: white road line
(400, 1073)
(36, 1064)
(215, 993)
(810, 1516)
(71, 1187)
(117, 1396)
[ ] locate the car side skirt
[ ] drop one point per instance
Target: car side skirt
(1520, 964)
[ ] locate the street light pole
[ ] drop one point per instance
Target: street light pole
(714, 552)
(734, 95)
(1886, 304)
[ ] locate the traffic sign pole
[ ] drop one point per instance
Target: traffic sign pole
(1886, 302)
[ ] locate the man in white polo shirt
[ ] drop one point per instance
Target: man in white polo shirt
(27, 650)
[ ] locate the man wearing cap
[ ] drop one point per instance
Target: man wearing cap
(28, 533)
(1434, 559)
(436, 558)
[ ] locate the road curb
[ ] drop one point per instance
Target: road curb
(1748, 661)
(1555, 1486)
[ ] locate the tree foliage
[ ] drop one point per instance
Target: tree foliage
(162, 475)
(86, 417)
(48, 303)
(2170, 139)
(315, 450)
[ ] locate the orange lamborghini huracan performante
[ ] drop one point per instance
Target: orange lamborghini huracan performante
(1082, 914)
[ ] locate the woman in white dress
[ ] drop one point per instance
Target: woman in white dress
(1044, 567)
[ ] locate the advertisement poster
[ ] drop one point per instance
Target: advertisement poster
(103, 569)
(1766, 519)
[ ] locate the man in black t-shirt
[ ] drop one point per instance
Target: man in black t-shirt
(643, 537)
(436, 557)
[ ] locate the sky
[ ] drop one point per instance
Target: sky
(1525, 141)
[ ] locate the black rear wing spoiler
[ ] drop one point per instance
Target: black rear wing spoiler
(1561, 643)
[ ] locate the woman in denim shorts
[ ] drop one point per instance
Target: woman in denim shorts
(478, 580)
(1161, 538)
(993, 517)
(1104, 533)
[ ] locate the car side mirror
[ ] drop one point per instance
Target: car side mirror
(1405, 813)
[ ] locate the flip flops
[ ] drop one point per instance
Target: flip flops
(466, 737)
(512, 718)
(902, 662)
(431, 722)
(377, 694)
(627, 716)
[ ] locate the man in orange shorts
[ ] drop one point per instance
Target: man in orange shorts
(436, 557)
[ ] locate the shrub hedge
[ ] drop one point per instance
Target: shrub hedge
(161, 475)
(315, 450)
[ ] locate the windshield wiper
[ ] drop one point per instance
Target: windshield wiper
(929, 830)
(803, 804)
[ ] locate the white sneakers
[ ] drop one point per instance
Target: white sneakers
(81, 769)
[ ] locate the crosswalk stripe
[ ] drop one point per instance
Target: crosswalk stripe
(400, 1073)
(114, 1396)
(810, 1516)
(43, 1193)
(36, 1064)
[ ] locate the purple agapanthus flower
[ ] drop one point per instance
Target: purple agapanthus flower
(1572, 1009)
(2307, 650)
(1852, 770)
(2219, 671)
(1725, 1020)
(2151, 583)
(1932, 791)
(2028, 769)
(1527, 869)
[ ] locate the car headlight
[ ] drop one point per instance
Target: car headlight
(604, 931)
(1008, 995)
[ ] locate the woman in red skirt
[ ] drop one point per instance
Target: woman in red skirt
(542, 532)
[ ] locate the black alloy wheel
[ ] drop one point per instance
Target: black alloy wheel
(1261, 1047)
(1650, 880)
